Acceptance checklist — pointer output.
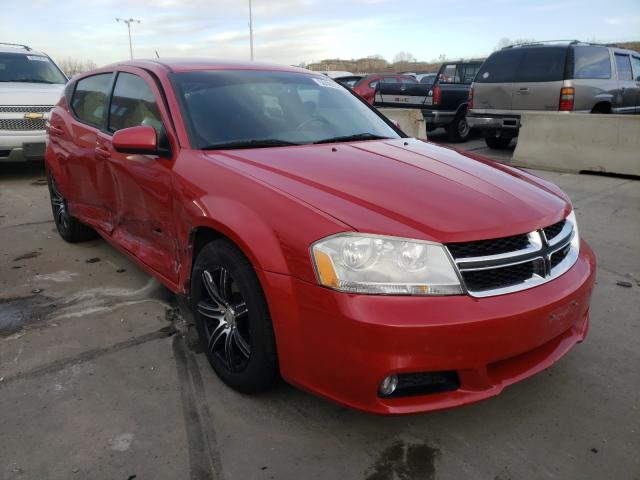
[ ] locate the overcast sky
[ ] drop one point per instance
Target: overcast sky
(294, 31)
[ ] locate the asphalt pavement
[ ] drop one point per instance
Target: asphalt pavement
(100, 376)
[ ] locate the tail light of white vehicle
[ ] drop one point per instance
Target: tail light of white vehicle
(437, 95)
(567, 95)
(470, 101)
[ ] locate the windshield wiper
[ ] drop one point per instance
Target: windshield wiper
(353, 138)
(263, 143)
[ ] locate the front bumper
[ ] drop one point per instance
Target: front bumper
(22, 146)
(341, 346)
(497, 122)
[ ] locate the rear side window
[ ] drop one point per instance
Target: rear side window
(544, 64)
(133, 104)
(500, 67)
(623, 66)
(591, 62)
(468, 72)
(635, 63)
(90, 98)
(450, 74)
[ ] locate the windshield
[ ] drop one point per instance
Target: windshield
(21, 67)
(246, 108)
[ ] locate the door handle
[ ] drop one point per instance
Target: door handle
(101, 152)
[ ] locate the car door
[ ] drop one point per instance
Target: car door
(635, 66)
(625, 99)
(143, 201)
(90, 190)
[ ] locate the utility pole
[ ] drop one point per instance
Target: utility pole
(251, 30)
(129, 22)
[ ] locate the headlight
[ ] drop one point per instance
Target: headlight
(575, 240)
(360, 263)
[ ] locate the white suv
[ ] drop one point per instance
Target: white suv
(30, 85)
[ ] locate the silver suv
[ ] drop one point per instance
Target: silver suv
(30, 85)
(568, 76)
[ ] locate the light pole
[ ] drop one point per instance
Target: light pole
(251, 30)
(129, 22)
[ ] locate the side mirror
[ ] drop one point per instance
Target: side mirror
(142, 140)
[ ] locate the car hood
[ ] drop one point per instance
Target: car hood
(19, 93)
(407, 188)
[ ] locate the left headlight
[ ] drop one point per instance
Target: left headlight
(360, 263)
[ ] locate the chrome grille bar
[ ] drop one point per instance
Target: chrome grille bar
(539, 262)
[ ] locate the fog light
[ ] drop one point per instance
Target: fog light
(388, 385)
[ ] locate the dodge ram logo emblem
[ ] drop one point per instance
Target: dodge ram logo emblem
(33, 116)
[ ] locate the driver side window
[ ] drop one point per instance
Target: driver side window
(133, 104)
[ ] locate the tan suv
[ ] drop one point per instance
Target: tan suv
(568, 76)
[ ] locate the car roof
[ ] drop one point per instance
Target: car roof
(16, 48)
(195, 64)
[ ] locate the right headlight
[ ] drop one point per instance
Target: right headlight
(376, 264)
(575, 240)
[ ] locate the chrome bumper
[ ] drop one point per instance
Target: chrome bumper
(493, 123)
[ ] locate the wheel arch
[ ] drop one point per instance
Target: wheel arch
(462, 108)
(602, 107)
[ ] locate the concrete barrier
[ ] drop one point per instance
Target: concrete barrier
(410, 120)
(573, 142)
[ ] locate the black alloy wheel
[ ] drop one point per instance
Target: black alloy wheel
(69, 227)
(232, 318)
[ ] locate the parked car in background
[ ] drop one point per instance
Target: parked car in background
(30, 85)
(566, 77)
(349, 81)
(336, 73)
(313, 240)
(429, 78)
(446, 104)
(366, 86)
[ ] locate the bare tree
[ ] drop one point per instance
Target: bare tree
(404, 57)
(505, 42)
(73, 66)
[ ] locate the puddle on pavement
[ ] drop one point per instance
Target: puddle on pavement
(18, 313)
(406, 461)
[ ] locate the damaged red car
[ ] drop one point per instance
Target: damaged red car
(313, 240)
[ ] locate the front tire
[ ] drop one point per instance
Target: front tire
(70, 228)
(232, 318)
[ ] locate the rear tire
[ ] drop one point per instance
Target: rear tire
(232, 318)
(70, 228)
(497, 143)
(459, 130)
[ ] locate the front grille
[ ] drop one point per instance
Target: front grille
(552, 231)
(22, 124)
(482, 248)
(560, 255)
(25, 108)
(504, 265)
(482, 280)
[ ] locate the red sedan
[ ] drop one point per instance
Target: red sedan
(314, 240)
(366, 86)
